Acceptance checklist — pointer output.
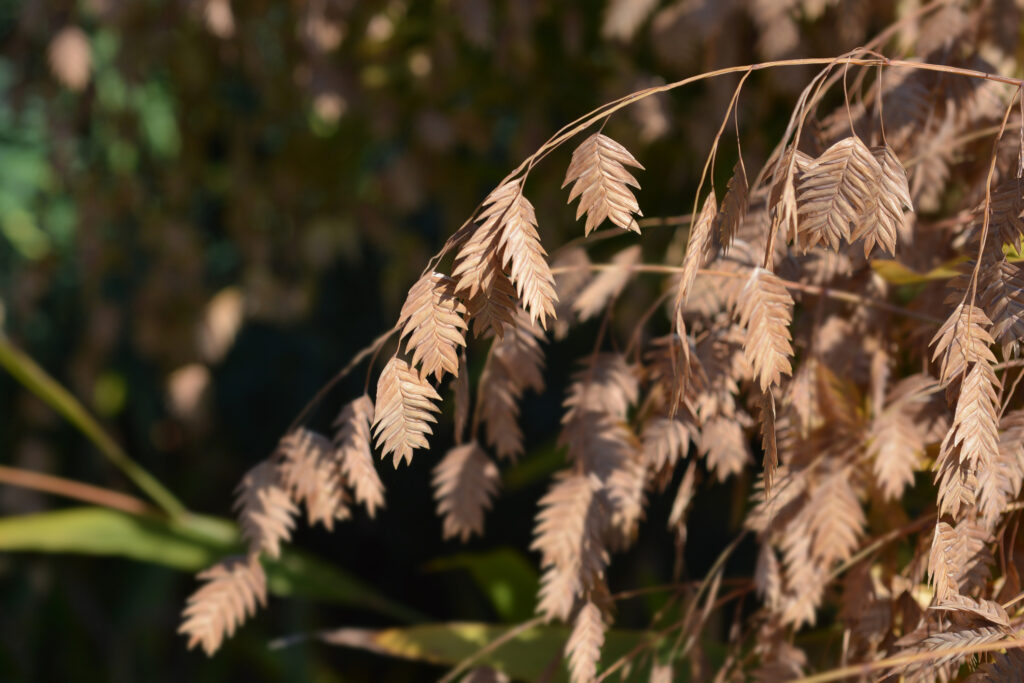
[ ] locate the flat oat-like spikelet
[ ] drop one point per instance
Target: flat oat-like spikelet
(233, 590)
(836, 519)
(569, 537)
(265, 511)
(944, 561)
(607, 384)
(986, 609)
(699, 248)
(404, 407)
(465, 481)
(522, 252)
(962, 340)
(583, 649)
(896, 445)
(1001, 296)
(311, 476)
(604, 445)
(493, 308)
(608, 284)
(765, 309)
(973, 438)
(353, 449)
(432, 320)
(734, 208)
(881, 221)
(835, 191)
(598, 169)
(665, 441)
(955, 641)
(516, 363)
(724, 445)
(574, 276)
(1001, 483)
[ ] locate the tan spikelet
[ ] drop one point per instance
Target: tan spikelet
(493, 308)
(883, 213)
(574, 276)
(606, 384)
(353, 450)
(608, 284)
(465, 482)
(516, 363)
(231, 593)
(699, 247)
(583, 649)
(598, 169)
(265, 511)
(986, 609)
(725, 446)
(1001, 296)
(312, 477)
(896, 446)
(963, 339)
(403, 413)
(522, 253)
(943, 561)
(835, 191)
(835, 520)
(432, 320)
(568, 536)
(765, 309)
(734, 208)
(665, 442)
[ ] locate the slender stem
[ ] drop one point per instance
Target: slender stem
(859, 670)
(75, 490)
(30, 375)
(815, 290)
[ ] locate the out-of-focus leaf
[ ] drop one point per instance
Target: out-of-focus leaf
(896, 273)
(526, 656)
(537, 466)
(504, 575)
(194, 543)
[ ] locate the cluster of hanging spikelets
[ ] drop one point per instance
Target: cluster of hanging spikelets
(780, 324)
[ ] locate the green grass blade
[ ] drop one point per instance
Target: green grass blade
(30, 375)
(188, 545)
